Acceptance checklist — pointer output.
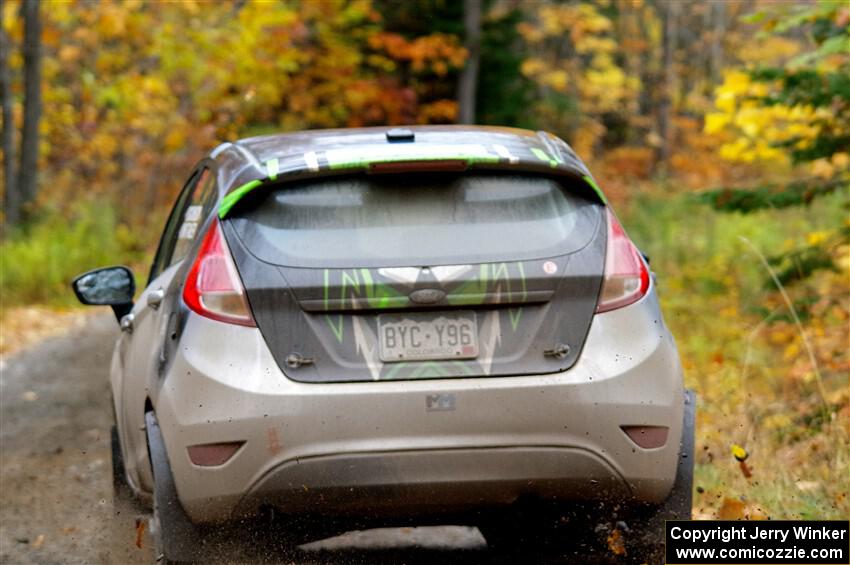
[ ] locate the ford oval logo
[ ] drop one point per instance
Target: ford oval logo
(427, 296)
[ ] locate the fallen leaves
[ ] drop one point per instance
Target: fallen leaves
(616, 543)
(27, 325)
(141, 524)
(737, 509)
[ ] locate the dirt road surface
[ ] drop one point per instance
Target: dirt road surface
(56, 486)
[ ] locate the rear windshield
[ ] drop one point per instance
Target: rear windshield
(415, 220)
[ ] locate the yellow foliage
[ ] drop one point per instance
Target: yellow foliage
(735, 82)
(822, 168)
(841, 160)
(766, 132)
(791, 351)
(716, 122)
(590, 74)
(816, 237)
(770, 50)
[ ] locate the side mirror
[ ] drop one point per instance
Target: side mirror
(109, 286)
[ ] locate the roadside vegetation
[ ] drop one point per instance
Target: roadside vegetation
(746, 358)
(718, 130)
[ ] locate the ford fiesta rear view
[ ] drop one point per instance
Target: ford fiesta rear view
(364, 327)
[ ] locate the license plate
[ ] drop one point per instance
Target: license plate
(420, 337)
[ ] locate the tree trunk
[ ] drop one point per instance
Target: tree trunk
(469, 77)
(671, 12)
(27, 172)
(718, 14)
(11, 197)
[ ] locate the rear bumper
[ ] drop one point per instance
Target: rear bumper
(432, 481)
(375, 447)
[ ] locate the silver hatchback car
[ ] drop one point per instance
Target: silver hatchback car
(388, 326)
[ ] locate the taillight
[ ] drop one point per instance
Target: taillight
(213, 287)
(626, 277)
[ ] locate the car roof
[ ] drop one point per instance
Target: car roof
(251, 163)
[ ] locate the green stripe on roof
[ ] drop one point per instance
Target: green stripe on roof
(272, 167)
(545, 157)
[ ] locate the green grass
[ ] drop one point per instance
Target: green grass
(715, 298)
(38, 263)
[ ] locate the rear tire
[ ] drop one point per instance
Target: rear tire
(536, 531)
(506, 535)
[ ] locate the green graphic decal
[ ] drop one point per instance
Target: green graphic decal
(349, 280)
(356, 284)
(337, 326)
(327, 289)
(515, 313)
(231, 199)
(379, 295)
(493, 280)
(473, 291)
(595, 187)
(427, 369)
(272, 167)
(543, 156)
(394, 370)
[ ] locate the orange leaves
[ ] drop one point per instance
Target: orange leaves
(616, 544)
(406, 93)
(141, 525)
(736, 509)
(441, 111)
(576, 20)
(437, 52)
(112, 21)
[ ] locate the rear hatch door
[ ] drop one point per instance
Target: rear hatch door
(377, 277)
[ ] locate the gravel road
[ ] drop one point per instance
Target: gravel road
(55, 474)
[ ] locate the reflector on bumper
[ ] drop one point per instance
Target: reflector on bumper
(647, 437)
(213, 454)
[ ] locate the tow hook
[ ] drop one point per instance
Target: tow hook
(295, 360)
(558, 351)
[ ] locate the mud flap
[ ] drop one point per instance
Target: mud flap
(645, 543)
(181, 539)
(680, 500)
